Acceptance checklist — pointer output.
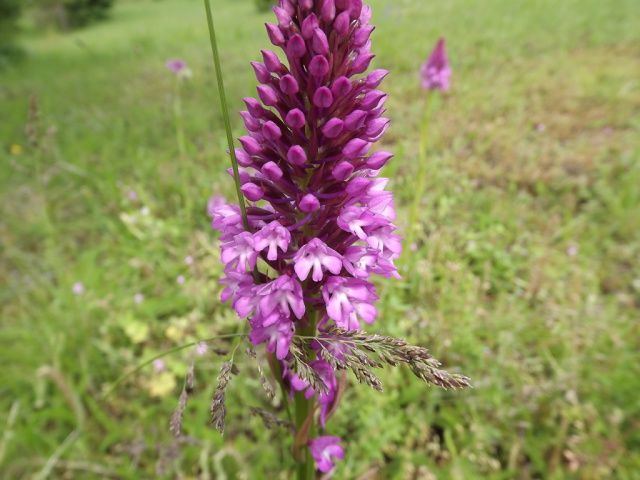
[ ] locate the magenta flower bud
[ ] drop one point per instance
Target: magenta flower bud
(365, 15)
(319, 66)
(341, 87)
(333, 128)
(295, 118)
(271, 171)
(296, 47)
(284, 17)
(342, 23)
(362, 35)
(242, 175)
(289, 85)
(355, 9)
(251, 146)
(262, 72)
(378, 160)
(323, 98)
(342, 4)
(342, 171)
(355, 120)
(372, 99)
(288, 7)
(271, 131)
(374, 79)
(244, 159)
(309, 26)
(309, 203)
(361, 63)
(275, 35)
(358, 186)
(255, 109)
(376, 127)
(320, 43)
(356, 148)
(296, 155)
(306, 4)
(271, 61)
(252, 192)
(250, 123)
(328, 10)
(267, 95)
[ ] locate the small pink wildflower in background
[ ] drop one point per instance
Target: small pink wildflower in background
(138, 298)
(132, 195)
(179, 67)
(159, 366)
(435, 72)
(176, 65)
(78, 288)
(215, 202)
(188, 260)
(180, 279)
(572, 251)
(201, 348)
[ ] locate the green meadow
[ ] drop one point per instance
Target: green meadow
(524, 273)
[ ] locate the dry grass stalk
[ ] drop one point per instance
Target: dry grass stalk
(269, 419)
(218, 409)
(356, 347)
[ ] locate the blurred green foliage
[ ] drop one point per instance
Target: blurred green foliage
(265, 5)
(9, 14)
(72, 14)
(524, 276)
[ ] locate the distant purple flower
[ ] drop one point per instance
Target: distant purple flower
(435, 72)
(78, 288)
(201, 348)
(138, 298)
(176, 65)
(323, 449)
(133, 195)
(159, 365)
(188, 260)
(572, 251)
(180, 279)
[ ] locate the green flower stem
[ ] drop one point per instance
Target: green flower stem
(422, 167)
(305, 407)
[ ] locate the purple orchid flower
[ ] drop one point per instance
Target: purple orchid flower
(435, 72)
(322, 449)
(320, 221)
(176, 65)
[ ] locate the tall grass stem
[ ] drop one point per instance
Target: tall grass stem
(225, 112)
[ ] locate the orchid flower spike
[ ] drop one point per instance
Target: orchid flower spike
(435, 72)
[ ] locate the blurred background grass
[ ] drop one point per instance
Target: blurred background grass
(526, 273)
